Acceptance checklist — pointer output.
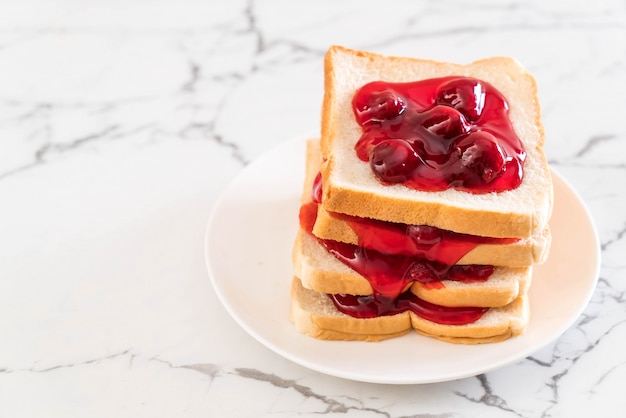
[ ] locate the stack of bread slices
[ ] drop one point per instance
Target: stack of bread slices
(375, 259)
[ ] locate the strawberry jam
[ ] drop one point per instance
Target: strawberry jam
(389, 274)
(307, 216)
(413, 240)
(372, 306)
(418, 240)
(440, 133)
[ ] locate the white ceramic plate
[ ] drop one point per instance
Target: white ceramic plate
(248, 252)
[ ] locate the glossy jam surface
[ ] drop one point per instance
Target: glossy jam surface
(372, 306)
(389, 274)
(419, 240)
(389, 271)
(316, 192)
(440, 133)
(416, 240)
(307, 216)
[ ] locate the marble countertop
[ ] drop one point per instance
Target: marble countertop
(122, 122)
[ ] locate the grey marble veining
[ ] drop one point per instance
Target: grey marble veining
(122, 122)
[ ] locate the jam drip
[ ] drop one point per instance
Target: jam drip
(440, 133)
(373, 306)
(390, 274)
(419, 240)
(412, 240)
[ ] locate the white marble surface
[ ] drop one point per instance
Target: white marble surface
(122, 121)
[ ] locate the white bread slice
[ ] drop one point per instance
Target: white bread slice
(320, 271)
(525, 252)
(503, 287)
(498, 324)
(314, 314)
(349, 186)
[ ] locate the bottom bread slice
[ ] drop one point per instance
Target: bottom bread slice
(314, 314)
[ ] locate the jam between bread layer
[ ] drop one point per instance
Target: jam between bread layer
(421, 240)
(413, 240)
(440, 133)
(373, 306)
(390, 274)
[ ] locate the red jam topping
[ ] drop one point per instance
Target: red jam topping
(413, 240)
(316, 192)
(372, 306)
(418, 240)
(389, 274)
(440, 133)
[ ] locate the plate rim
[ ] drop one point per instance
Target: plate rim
(299, 141)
